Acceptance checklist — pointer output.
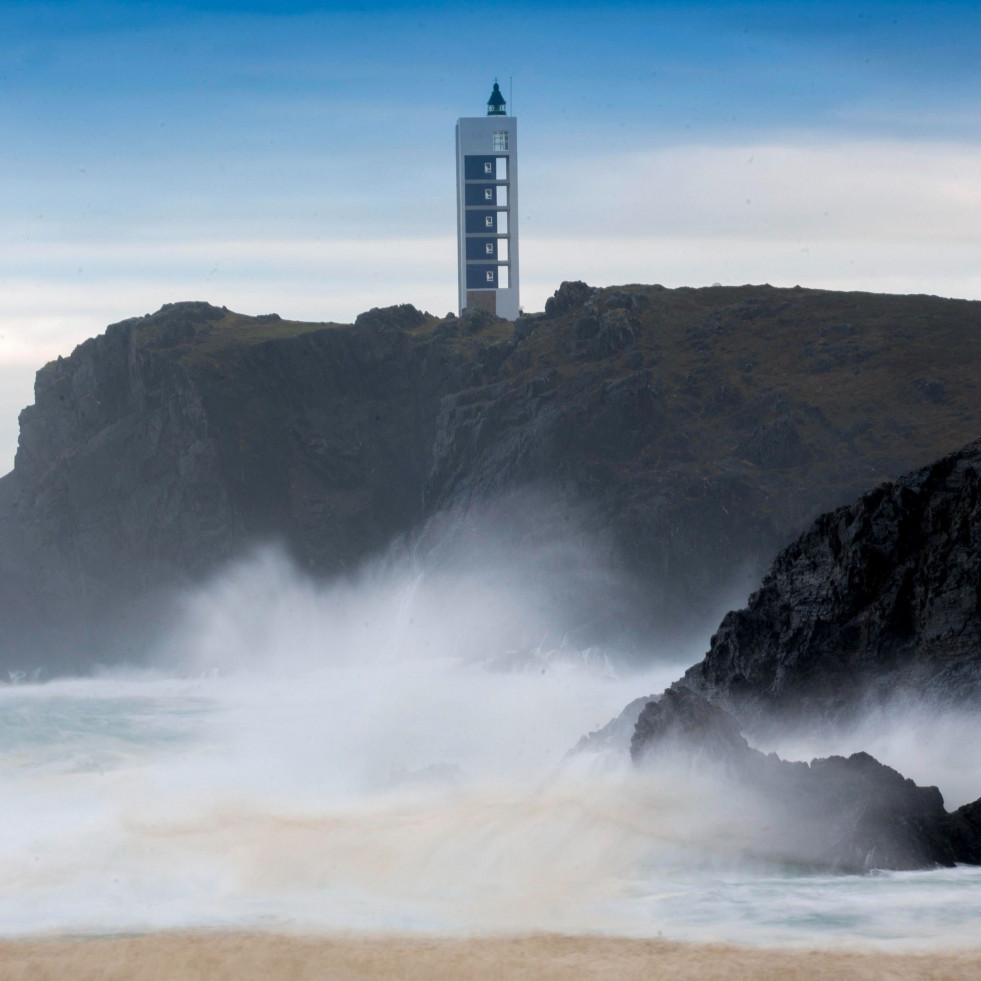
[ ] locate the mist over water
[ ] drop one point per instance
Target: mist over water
(931, 744)
(391, 753)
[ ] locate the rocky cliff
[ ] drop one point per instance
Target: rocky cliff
(877, 601)
(171, 443)
(693, 431)
(707, 427)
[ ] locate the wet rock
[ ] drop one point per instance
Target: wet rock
(966, 833)
(844, 814)
(682, 720)
(876, 599)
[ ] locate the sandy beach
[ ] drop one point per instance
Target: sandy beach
(248, 956)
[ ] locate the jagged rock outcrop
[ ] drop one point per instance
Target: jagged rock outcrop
(847, 815)
(681, 720)
(877, 599)
(691, 432)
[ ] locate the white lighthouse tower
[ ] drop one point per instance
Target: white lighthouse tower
(487, 209)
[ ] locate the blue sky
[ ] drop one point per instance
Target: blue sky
(298, 157)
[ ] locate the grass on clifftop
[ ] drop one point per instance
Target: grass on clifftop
(871, 377)
(200, 332)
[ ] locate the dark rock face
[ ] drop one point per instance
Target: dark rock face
(966, 832)
(119, 438)
(693, 432)
(680, 417)
(685, 720)
(847, 815)
(161, 449)
(775, 444)
(876, 599)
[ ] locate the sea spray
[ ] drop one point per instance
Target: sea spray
(932, 744)
(384, 754)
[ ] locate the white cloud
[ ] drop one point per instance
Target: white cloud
(56, 294)
(886, 217)
(863, 191)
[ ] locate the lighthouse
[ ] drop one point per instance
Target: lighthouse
(487, 209)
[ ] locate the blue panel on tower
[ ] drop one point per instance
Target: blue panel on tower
(485, 222)
(478, 194)
(481, 277)
(481, 249)
(478, 168)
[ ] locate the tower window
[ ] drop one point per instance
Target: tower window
(490, 275)
(489, 248)
(488, 194)
(489, 221)
(500, 140)
(488, 168)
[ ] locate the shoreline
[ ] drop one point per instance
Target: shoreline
(251, 956)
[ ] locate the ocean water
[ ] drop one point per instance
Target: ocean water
(375, 757)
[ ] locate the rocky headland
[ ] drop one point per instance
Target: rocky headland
(693, 432)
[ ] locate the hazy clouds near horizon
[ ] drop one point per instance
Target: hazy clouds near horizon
(279, 158)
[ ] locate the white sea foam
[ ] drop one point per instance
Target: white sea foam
(375, 755)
